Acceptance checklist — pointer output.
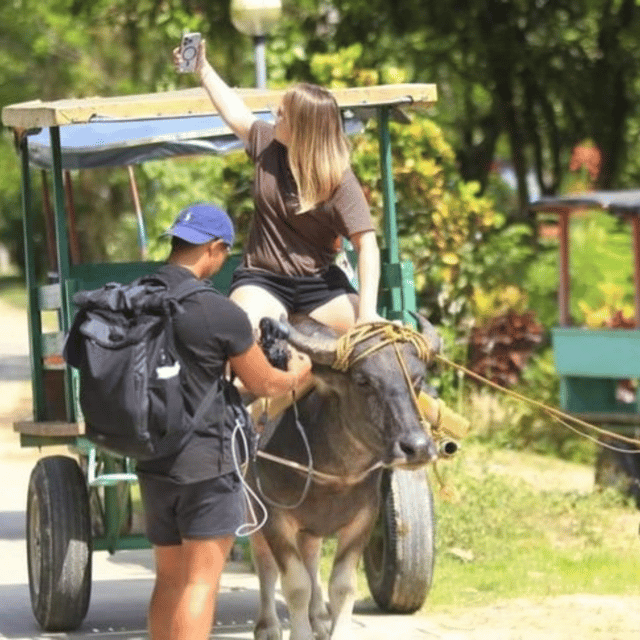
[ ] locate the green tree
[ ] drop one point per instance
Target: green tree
(542, 75)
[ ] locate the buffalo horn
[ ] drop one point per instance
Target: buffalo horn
(317, 345)
(429, 332)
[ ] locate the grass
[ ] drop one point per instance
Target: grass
(504, 538)
(521, 526)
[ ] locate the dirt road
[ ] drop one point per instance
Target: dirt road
(575, 617)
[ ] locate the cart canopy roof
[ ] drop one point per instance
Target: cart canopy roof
(132, 129)
(167, 104)
(108, 144)
(623, 201)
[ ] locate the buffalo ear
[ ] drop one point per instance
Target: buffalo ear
(315, 339)
(429, 332)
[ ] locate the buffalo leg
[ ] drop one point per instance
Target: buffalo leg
(310, 548)
(296, 588)
(342, 583)
(268, 625)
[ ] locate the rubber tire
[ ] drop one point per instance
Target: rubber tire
(59, 543)
(399, 558)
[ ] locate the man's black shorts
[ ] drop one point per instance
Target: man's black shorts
(212, 508)
(298, 294)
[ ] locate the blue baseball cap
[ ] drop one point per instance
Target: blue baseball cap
(202, 223)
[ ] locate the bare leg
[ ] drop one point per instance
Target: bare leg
(258, 303)
(339, 313)
(167, 591)
(184, 596)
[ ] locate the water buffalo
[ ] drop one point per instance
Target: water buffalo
(355, 421)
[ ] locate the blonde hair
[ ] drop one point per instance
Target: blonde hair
(318, 147)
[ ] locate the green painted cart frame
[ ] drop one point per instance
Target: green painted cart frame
(591, 362)
(93, 511)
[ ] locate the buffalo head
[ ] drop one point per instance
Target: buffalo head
(372, 394)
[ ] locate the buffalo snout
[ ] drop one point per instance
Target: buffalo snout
(414, 448)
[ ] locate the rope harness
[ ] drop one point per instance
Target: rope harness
(389, 334)
(393, 334)
(555, 414)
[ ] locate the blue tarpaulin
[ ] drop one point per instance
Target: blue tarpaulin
(105, 143)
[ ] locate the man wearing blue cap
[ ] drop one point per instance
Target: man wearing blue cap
(192, 500)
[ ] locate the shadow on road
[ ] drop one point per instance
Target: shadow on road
(13, 525)
(15, 368)
(118, 609)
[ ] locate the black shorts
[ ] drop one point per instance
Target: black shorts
(298, 294)
(212, 508)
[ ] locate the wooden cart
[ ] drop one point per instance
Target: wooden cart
(592, 362)
(83, 503)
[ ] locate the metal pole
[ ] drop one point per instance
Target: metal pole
(142, 235)
(563, 289)
(74, 245)
(62, 245)
(635, 243)
(33, 307)
(392, 269)
(259, 47)
(388, 192)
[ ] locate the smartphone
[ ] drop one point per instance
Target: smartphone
(189, 52)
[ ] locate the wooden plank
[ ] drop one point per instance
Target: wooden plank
(597, 353)
(49, 296)
(33, 114)
(53, 428)
(52, 344)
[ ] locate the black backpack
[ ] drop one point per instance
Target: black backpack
(122, 343)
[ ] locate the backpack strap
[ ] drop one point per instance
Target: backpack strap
(206, 402)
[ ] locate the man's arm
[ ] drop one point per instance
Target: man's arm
(225, 100)
(261, 379)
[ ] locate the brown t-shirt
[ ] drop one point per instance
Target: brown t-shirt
(282, 240)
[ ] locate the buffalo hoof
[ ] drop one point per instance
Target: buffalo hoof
(321, 628)
(264, 632)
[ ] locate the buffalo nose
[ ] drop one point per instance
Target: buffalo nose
(415, 447)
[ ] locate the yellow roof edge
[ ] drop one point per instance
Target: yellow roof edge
(36, 113)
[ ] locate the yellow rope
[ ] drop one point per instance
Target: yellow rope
(561, 417)
(391, 333)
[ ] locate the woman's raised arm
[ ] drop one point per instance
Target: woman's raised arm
(226, 101)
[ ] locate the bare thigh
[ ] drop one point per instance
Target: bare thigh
(339, 313)
(258, 303)
(193, 561)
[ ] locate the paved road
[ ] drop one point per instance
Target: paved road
(121, 583)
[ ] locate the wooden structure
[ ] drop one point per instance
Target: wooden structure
(591, 362)
(65, 135)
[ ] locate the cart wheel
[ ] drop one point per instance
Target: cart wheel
(399, 558)
(59, 543)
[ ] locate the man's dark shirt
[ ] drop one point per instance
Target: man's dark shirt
(208, 333)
